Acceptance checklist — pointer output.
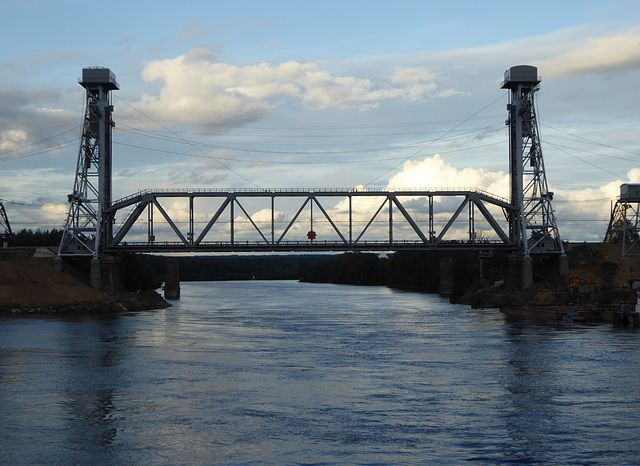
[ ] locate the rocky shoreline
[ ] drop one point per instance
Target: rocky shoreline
(129, 302)
(537, 295)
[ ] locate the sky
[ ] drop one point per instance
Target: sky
(286, 94)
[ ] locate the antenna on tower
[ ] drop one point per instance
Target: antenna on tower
(532, 226)
(89, 224)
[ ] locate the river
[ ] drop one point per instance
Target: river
(292, 373)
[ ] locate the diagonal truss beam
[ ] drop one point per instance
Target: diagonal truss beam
(213, 221)
(393, 200)
(409, 219)
(170, 222)
(324, 212)
(371, 221)
(251, 220)
(293, 220)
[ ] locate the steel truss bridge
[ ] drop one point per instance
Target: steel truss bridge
(345, 219)
(224, 230)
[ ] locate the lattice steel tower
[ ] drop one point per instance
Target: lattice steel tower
(89, 223)
(5, 227)
(533, 225)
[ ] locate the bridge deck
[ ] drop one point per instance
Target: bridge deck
(307, 246)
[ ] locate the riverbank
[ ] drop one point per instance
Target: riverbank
(29, 284)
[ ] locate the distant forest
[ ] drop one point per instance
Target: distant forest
(31, 238)
(415, 270)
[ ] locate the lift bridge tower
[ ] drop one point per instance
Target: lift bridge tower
(533, 225)
(88, 226)
(5, 229)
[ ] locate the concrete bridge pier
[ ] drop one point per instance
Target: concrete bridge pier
(564, 265)
(519, 273)
(512, 280)
(95, 274)
(527, 272)
(106, 274)
(447, 277)
(171, 279)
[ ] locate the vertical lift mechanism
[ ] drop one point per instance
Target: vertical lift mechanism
(532, 227)
(89, 224)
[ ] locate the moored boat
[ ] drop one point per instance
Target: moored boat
(571, 313)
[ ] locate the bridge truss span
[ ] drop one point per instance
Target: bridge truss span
(271, 220)
(302, 219)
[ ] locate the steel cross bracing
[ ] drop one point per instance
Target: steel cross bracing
(232, 226)
(624, 226)
(88, 227)
(534, 225)
(5, 227)
(412, 215)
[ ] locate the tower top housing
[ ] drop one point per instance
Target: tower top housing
(521, 74)
(99, 76)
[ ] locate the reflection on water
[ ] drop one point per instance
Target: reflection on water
(283, 372)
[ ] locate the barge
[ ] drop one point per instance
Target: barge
(627, 314)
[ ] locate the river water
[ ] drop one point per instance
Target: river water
(286, 372)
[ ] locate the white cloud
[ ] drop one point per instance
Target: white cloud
(419, 83)
(197, 87)
(54, 212)
(434, 172)
(597, 54)
(12, 139)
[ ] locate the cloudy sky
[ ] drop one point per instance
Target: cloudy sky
(278, 94)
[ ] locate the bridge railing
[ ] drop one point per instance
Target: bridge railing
(314, 191)
(292, 246)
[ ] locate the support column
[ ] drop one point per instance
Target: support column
(171, 279)
(527, 272)
(95, 276)
(112, 274)
(447, 277)
(519, 273)
(564, 265)
(514, 273)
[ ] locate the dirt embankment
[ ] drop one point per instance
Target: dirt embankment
(29, 284)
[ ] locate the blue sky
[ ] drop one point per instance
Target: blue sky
(320, 94)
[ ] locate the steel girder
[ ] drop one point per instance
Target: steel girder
(275, 234)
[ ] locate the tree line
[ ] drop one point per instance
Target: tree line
(37, 238)
(414, 270)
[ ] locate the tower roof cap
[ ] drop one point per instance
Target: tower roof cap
(520, 74)
(97, 75)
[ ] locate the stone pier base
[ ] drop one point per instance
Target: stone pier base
(447, 277)
(95, 275)
(171, 279)
(564, 265)
(527, 272)
(106, 274)
(519, 273)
